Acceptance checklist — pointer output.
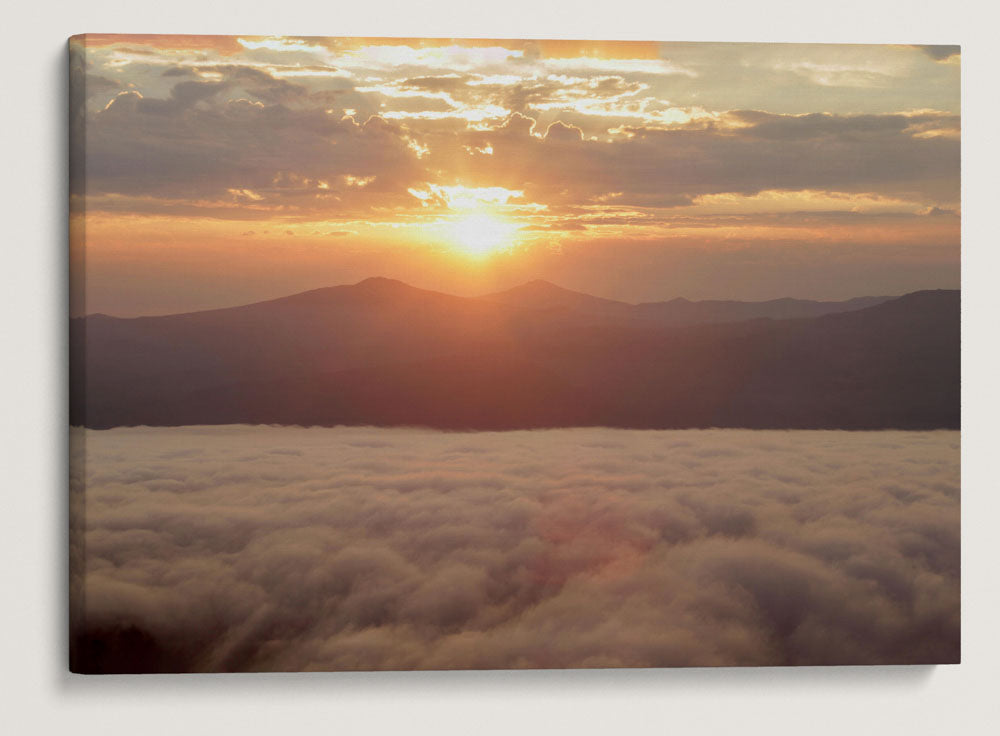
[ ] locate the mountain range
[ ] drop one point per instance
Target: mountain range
(382, 352)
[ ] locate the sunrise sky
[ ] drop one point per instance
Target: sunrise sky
(225, 170)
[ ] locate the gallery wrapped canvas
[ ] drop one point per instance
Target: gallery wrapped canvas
(410, 354)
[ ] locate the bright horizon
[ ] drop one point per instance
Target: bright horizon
(229, 170)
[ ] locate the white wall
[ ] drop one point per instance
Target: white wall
(38, 696)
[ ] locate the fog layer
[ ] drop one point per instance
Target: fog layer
(263, 548)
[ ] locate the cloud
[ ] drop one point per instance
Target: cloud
(440, 83)
(941, 53)
(560, 226)
(180, 143)
(255, 548)
(907, 155)
(195, 147)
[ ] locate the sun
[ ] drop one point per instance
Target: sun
(482, 234)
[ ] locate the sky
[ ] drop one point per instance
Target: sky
(210, 171)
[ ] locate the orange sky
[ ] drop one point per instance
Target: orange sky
(222, 170)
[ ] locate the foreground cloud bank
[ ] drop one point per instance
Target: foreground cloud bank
(261, 548)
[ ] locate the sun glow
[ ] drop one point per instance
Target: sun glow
(482, 234)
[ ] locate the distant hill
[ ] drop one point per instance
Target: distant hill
(384, 353)
(544, 297)
(682, 311)
(539, 296)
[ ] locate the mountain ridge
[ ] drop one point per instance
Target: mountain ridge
(387, 354)
(546, 293)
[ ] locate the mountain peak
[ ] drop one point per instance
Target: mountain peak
(539, 286)
(544, 295)
(381, 283)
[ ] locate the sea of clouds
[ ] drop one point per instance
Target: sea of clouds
(267, 548)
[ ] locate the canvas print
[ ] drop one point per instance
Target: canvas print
(418, 354)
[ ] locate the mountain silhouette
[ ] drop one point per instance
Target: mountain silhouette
(682, 311)
(543, 296)
(382, 352)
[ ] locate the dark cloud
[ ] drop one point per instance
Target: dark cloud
(249, 131)
(942, 212)
(440, 83)
(941, 53)
(190, 93)
(199, 144)
(907, 156)
(83, 87)
(823, 125)
(261, 86)
(561, 132)
(254, 548)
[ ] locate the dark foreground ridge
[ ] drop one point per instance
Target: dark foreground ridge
(381, 352)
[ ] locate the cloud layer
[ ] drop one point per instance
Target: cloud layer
(254, 548)
(281, 127)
